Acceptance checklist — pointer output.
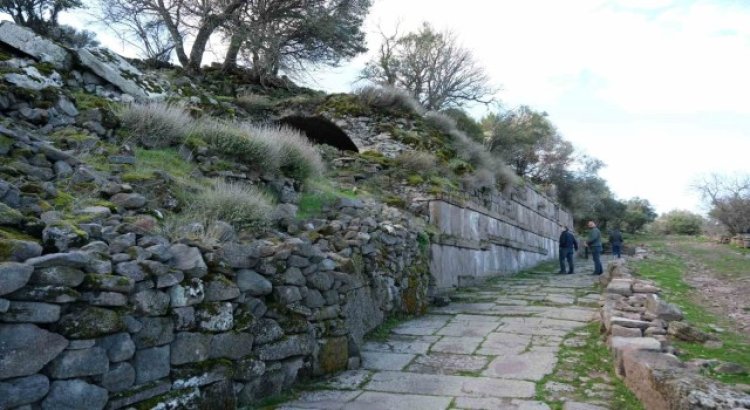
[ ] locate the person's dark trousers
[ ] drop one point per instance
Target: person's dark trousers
(596, 253)
(566, 254)
(616, 251)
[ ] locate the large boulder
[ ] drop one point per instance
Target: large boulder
(24, 40)
(112, 68)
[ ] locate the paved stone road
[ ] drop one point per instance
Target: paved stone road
(486, 350)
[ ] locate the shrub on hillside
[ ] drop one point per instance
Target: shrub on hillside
(679, 222)
(242, 206)
(156, 124)
(388, 98)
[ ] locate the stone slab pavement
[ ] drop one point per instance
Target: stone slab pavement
(486, 350)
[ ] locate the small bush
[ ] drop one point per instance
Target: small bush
(242, 206)
(417, 161)
(156, 124)
(389, 98)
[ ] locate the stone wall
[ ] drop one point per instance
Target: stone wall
(481, 236)
(637, 322)
(100, 309)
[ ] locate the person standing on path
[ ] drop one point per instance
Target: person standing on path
(594, 243)
(615, 239)
(568, 245)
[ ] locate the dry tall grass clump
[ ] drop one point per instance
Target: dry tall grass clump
(490, 171)
(241, 205)
(253, 102)
(417, 162)
(388, 98)
(156, 124)
(294, 154)
(232, 141)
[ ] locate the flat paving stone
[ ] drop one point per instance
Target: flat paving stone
(385, 361)
(388, 401)
(463, 329)
(576, 314)
(426, 325)
(457, 345)
(485, 403)
(504, 344)
(398, 346)
(560, 299)
(456, 308)
(322, 399)
(462, 317)
(442, 363)
(348, 380)
(525, 366)
(404, 382)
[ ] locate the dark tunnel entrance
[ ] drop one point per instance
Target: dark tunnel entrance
(321, 131)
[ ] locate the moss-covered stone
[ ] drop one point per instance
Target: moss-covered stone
(89, 323)
(333, 355)
(9, 216)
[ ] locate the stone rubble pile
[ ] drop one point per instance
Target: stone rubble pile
(639, 325)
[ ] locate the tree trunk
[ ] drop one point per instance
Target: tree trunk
(230, 61)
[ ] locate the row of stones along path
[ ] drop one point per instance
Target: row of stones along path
(485, 350)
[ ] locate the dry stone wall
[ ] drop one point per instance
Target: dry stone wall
(104, 311)
(488, 235)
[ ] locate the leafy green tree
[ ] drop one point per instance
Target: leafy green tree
(680, 222)
(527, 141)
(638, 213)
(288, 35)
(432, 66)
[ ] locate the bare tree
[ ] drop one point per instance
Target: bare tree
(194, 20)
(729, 199)
(432, 66)
(140, 29)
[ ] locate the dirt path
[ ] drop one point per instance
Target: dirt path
(721, 276)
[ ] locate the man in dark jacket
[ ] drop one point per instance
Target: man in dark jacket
(568, 246)
(594, 243)
(615, 239)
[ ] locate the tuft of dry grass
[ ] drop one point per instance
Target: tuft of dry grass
(388, 98)
(241, 205)
(156, 124)
(417, 162)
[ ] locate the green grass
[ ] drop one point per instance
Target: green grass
(147, 161)
(320, 193)
(666, 269)
(593, 362)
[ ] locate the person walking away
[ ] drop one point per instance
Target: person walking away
(615, 239)
(594, 243)
(568, 246)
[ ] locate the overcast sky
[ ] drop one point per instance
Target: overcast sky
(657, 89)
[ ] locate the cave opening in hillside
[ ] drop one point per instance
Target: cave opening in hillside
(321, 131)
